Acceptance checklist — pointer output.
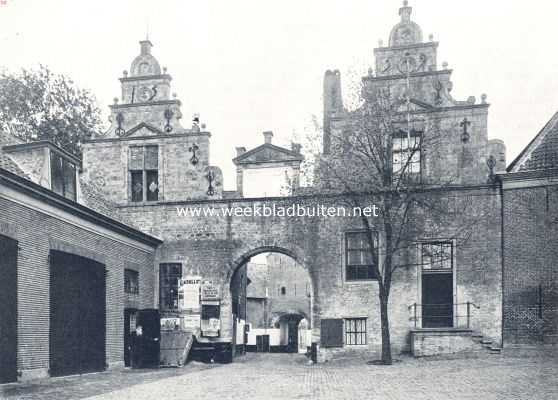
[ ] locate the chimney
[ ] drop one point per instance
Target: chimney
(268, 136)
(296, 147)
(240, 151)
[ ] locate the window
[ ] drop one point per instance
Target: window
(359, 259)
(62, 176)
(355, 331)
(144, 173)
(169, 274)
(283, 290)
(131, 281)
(406, 153)
(437, 257)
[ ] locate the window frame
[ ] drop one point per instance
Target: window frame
(442, 243)
(128, 289)
(370, 276)
(64, 165)
(355, 337)
(403, 153)
(162, 285)
(144, 174)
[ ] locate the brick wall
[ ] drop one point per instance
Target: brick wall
(531, 260)
(215, 247)
(37, 233)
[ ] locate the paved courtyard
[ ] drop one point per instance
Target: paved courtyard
(282, 376)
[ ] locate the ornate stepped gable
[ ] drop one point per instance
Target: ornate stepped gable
(407, 69)
(145, 107)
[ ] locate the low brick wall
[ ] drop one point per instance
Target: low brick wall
(433, 342)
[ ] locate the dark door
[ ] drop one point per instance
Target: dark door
(292, 346)
(437, 300)
(262, 343)
(129, 330)
(147, 340)
(8, 310)
(77, 315)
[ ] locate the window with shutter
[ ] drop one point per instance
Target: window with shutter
(143, 165)
(331, 333)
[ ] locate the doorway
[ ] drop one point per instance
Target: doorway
(8, 309)
(130, 315)
(77, 315)
(292, 334)
(437, 285)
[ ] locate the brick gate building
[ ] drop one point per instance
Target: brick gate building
(131, 216)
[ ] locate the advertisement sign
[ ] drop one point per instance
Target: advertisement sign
(210, 327)
(170, 324)
(210, 319)
(210, 292)
(191, 322)
(189, 293)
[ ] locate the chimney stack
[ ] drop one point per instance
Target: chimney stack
(240, 151)
(296, 147)
(268, 136)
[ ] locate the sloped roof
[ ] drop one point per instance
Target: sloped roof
(267, 153)
(9, 165)
(94, 198)
(91, 197)
(542, 152)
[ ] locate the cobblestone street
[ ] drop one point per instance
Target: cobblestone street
(282, 376)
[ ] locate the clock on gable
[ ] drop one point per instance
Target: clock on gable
(146, 93)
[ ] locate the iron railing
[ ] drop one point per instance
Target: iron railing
(449, 315)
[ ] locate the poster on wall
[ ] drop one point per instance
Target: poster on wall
(191, 322)
(209, 291)
(189, 293)
(170, 324)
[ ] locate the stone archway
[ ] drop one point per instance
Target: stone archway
(282, 319)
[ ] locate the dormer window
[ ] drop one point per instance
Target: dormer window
(144, 173)
(62, 176)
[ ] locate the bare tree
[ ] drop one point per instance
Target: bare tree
(377, 156)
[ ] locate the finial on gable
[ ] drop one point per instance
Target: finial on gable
(405, 12)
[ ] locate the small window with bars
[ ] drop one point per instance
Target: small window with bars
(144, 173)
(355, 331)
(360, 261)
(437, 256)
(131, 281)
(169, 275)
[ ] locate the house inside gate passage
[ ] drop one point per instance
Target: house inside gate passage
(85, 243)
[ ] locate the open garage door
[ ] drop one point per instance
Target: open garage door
(77, 315)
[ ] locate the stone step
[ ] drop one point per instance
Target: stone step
(486, 342)
(495, 350)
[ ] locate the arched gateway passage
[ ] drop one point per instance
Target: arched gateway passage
(271, 302)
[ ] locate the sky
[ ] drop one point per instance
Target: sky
(248, 66)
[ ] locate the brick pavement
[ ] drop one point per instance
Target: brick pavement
(282, 376)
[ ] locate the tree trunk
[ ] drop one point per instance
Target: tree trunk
(384, 318)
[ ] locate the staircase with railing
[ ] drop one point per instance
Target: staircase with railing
(446, 329)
